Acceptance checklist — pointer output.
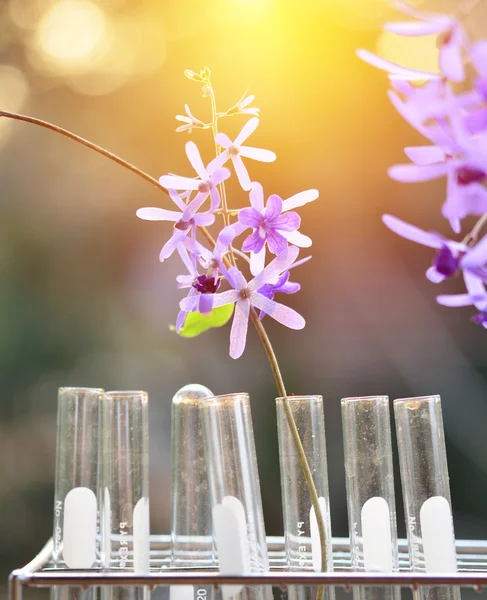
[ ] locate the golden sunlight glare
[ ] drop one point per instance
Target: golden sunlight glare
(72, 31)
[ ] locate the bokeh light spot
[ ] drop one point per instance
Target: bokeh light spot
(72, 31)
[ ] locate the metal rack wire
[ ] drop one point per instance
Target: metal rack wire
(472, 564)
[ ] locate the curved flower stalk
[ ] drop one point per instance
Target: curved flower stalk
(453, 119)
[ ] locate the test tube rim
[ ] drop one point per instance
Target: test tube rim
(234, 395)
(300, 397)
(356, 399)
(419, 399)
(83, 390)
(123, 394)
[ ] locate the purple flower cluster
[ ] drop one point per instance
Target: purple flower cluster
(449, 109)
(271, 226)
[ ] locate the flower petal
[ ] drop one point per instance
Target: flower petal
(414, 28)
(257, 196)
(283, 314)
(246, 131)
(451, 61)
(257, 154)
(298, 239)
(395, 69)
(288, 222)
(194, 205)
(250, 217)
(177, 199)
(238, 334)
(412, 233)
(276, 242)
(254, 242)
(476, 290)
(188, 263)
(179, 183)
(433, 275)
(257, 261)
(299, 199)
(273, 208)
(242, 173)
(218, 161)
(194, 158)
(478, 55)
(205, 304)
(275, 268)
(454, 300)
(158, 214)
(425, 155)
(204, 219)
(171, 245)
(223, 140)
(416, 173)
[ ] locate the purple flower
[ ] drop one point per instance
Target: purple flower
(461, 160)
(451, 39)
(182, 224)
(272, 225)
(448, 260)
(234, 150)
(206, 185)
(201, 287)
(246, 295)
(476, 296)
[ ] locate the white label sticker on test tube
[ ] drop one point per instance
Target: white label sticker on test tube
(376, 535)
(107, 529)
(438, 537)
(315, 537)
(231, 541)
(79, 528)
(181, 592)
(141, 536)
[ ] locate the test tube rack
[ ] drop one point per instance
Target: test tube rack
(471, 555)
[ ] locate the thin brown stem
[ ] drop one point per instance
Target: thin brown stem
(84, 142)
(472, 237)
(255, 320)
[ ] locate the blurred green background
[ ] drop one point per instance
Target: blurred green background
(84, 299)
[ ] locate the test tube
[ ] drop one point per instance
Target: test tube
(124, 488)
(192, 526)
(370, 491)
(235, 493)
(426, 491)
(75, 496)
(301, 534)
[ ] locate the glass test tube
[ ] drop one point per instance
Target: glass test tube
(301, 534)
(124, 488)
(370, 491)
(426, 490)
(192, 525)
(235, 492)
(75, 496)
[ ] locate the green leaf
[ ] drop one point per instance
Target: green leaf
(197, 323)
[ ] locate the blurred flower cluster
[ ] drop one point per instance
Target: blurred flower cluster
(219, 262)
(450, 110)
